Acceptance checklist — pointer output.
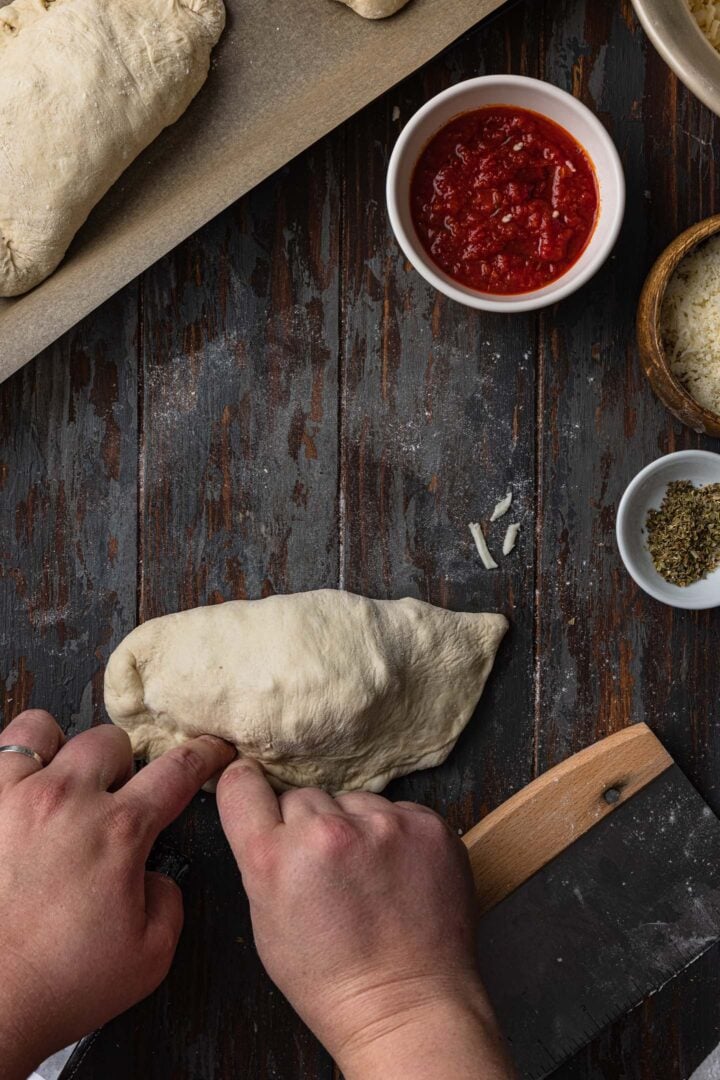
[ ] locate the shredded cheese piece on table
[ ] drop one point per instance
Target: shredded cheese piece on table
(502, 507)
(483, 550)
(510, 538)
(690, 323)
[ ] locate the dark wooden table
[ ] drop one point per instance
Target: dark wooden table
(282, 403)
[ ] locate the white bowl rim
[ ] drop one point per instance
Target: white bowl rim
(620, 523)
(696, 68)
(525, 301)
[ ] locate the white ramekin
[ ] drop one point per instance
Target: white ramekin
(525, 93)
(646, 492)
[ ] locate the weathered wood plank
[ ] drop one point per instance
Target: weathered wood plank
(68, 458)
(239, 426)
(607, 654)
(665, 1038)
(679, 682)
(595, 406)
(437, 424)
(238, 480)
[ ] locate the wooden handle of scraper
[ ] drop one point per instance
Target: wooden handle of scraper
(539, 822)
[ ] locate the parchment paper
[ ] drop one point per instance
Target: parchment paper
(284, 74)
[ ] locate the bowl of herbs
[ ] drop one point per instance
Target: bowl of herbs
(668, 529)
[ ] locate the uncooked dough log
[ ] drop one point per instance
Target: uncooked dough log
(375, 9)
(325, 689)
(85, 85)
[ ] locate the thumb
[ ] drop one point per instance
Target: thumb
(164, 913)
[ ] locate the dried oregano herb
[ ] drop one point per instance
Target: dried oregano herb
(683, 536)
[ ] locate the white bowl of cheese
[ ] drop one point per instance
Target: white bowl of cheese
(684, 47)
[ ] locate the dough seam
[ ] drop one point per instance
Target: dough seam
(396, 770)
(6, 250)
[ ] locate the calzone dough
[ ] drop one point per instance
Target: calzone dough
(325, 689)
(375, 9)
(85, 85)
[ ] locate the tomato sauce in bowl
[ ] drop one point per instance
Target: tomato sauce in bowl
(504, 200)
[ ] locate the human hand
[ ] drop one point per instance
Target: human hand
(85, 932)
(364, 916)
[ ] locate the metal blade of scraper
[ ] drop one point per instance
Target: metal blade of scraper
(610, 918)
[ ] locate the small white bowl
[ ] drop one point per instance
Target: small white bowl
(524, 93)
(646, 492)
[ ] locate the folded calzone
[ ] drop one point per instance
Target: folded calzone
(85, 85)
(325, 689)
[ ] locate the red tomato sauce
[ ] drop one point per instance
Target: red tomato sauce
(503, 199)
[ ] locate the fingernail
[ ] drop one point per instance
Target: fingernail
(166, 859)
(220, 742)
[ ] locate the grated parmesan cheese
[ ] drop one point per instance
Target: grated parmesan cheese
(502, 507)
(510, 538)
(690, 323)
(707, 15)
(481, 544)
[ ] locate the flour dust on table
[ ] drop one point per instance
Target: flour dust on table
(325, 689)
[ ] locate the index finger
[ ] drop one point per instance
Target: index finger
(162, 790)
(248, 806)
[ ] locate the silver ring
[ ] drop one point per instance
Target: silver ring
(27, 751)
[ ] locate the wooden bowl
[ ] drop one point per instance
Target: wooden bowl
(655, 364)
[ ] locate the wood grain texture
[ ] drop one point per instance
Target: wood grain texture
(282, 403)
(544, 818)
(68, 466)
(238, 453)
(437, 423)
(608, 655)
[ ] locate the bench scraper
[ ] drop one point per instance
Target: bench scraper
(598, 883)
